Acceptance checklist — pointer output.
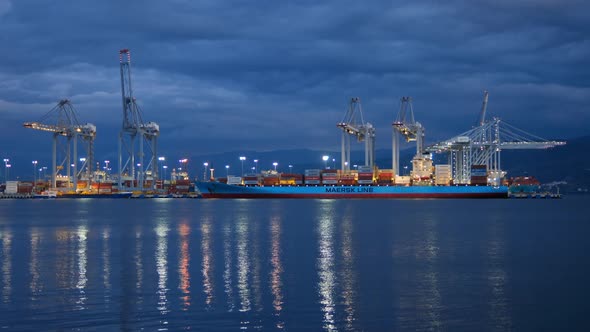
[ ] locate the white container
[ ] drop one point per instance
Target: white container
(402, 179)
(11, 187)
(235, 180)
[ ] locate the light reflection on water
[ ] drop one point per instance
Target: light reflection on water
(227, 266)
(162, 266)
(207, 262)
(258, 265)
(63, 261)
(36, 285)
(348, 273)
(82, 260)
(106, 262)
(276, 272)
(499, 310)
(243, 255)
(430, 293)
(138, 259)
(184, 276)
(6, 266)
(325, 264)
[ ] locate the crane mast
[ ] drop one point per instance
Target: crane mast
(406, 126)
(62, 121)
(133, 128)
(483, 144)
(353, 124)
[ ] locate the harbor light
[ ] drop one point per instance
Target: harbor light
(275, 164)
(6, 160)
(255, 165)
(290, 168)
(226, 170)
(34, 172)
(242, 158)
(325, 159)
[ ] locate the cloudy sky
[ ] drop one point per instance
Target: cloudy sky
(262, 75)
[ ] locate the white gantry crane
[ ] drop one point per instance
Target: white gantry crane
(353, 124)
(482, 146)
(406, 126)
(133, 128)
(62, 121)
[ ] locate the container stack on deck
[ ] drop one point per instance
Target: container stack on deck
(251, 180)
(312, 176)
(180, 187)
(365, 175)
(385, 177)
(402, 180)
(479, 175)
(330, 176)
(271, 179)
(291, 179)
(348, 179)
(442, 175)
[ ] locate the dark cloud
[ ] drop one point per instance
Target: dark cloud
(238, 75)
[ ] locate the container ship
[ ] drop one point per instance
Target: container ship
(364, 183)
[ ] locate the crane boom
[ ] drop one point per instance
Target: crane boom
(62, 121)
(353, 124)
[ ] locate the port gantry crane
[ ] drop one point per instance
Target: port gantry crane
(482, 146)
(62, 121)
(406, 126)
(134, 128)
(353, 124)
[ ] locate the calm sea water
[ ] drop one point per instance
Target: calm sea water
(309, 265)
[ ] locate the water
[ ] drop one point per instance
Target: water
(294, 265)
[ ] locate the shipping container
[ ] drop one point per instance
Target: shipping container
(479, 180)
(479, 170)
(234, 180)
(402, 179)
(271, 181)
(365, 169)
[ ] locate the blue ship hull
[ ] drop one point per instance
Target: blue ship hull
(221, 190)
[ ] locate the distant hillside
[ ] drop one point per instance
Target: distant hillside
(570, 163)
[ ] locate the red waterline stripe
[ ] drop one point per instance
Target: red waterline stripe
(332, 196)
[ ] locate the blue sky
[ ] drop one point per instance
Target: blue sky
(223, 76)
